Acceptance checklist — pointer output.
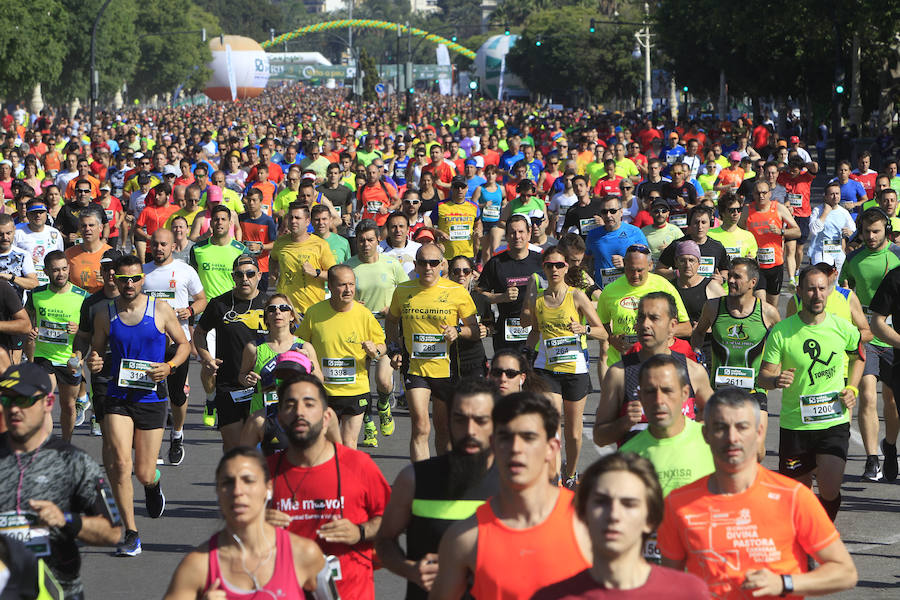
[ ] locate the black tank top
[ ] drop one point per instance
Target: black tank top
(694, 298)
(434, 510)
(632, 363)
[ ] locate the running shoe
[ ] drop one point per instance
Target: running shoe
(209, 415)
(155, 500)
(80, 411)
(176, 450)
(370, 435)
(873, 469)
(890, 460)
(95, 427)
(131, 546)
(386, 420)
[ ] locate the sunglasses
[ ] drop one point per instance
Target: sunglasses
(660, 211)
(413, 201)
(461, 271)
(555, 265)
(273, 308)
(638, 248)
(508, 373)
(244, 274)
(609, 211)
(735, 209)
(433, 262)
(20, 401)
(130, 278)
(82, 191)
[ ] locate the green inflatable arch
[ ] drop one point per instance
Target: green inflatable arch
(369, 24)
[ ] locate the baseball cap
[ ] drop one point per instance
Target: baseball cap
(661, 202)
(36, 206)
(674, 134)
(735, 156)
(688, 248)
(290, 363)
(138, 155)
(25, 379)
(213, 193)
(423, 234)
(479, 161)
(825, 267)
(535, 214)
(781, 144)
(795, 139)
(172, 170)
(245, 259)
(110, 256)
(105, 186)
(471, 162)
(458, 181)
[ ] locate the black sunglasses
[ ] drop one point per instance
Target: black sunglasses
(660, 211)
(273, 308)
(555, 265)
(432, 262)
(244, 274)
(609, 211)
(460, 271)
(509, 373)
(129, 278)
(20, 401)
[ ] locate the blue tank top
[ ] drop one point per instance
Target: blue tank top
(400, 169)
(493, 201)
(143, 341)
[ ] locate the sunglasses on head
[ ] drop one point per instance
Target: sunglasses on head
(460, 270)
(20, 401)
(130, 278)
(273, 308)
(429, 262)
(555, 265)
(508, 373)
(638, 248)
(244, 274)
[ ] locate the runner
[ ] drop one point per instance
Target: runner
(583, 216)
(737, 242)
(830, 227)
(397, 242)
(353, 491)
(621, 503)
(456, 221)
(607, 244)
(863, 272)
(54, 310)
(769, 556)
(431, 495)
(884, 306)
(377, 276)
(803, 356)
(258, 233)
(37, 238)
(714, 261)
(557, 313)
(694, 288)
(543, 536)
(660, 233)
(62, 497)
(490, 197)
(179, 285)
(432, 313)
(136, 328)
(797, 183)
(84, 257)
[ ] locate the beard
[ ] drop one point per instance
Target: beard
(465, 469)
(302, 441)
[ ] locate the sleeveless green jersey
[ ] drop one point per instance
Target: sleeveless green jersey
(737, 345)
(53, 311)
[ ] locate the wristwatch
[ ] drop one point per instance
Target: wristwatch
(362, 534)
(318, 272)
(787, 583)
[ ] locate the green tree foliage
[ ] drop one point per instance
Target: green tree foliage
(241, 17)
(31, 46)
(169, 60)
(570, 58)
(370, 69)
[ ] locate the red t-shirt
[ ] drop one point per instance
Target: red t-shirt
(444, 171)
(608, 186)
(372, 198)
(799, 185)
(642, 219)
(310, 495)
(112, 214)
(867, 180)
(153, 217)
(491, 157)
(662, 583)
(760, 136)
(276, 173)
(646, 137)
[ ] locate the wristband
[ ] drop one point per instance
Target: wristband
(318, 272)
(191, 308)
(458, 330)
(171, 365)
(853, 389)
(587, 329)
(362, 533)
(73, 524)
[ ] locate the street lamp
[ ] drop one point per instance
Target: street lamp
(642, 42)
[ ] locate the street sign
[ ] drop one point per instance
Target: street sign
(435, 71)
(284, 70)
(379, 89)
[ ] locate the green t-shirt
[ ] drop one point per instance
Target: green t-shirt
(618, 303)
(739, 242)
(595, 171)
(214, 265)
(737, 345)
(626, 168)
(660, 237)
(283, 199)
(533, 203)
(864, 270)
(376, 282)
(340, 247)
(364, 158)
(678, 460)
(708, 181)
(812, 401)
(53, 311)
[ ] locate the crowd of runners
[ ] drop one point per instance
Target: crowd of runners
(325, 262)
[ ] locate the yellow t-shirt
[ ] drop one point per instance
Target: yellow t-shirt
(303, 290)
(423, 313)
(559, 350)
(458, 222)
(189, 217)
(337, 338)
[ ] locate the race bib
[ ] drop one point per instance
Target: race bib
(707, 266)
(460, 233)
(491, 212)
(270, 398)
(832, 248)
(374, 206)
(337, 209)
(587, 225)
(742, 377)
(109, 214)
(562, 350)
(671, 159)
(651, 549)
(22, 527)
(429, 346)
(607, 276)
(241, 396)
(766, 256)
(795, 200)
(339, 371)
(514, 332)
(679, 220)
(163, 294)
(255, 248)
(135, 374)
(51, 332)
(733, 253)
(43, 279)
(630, 340)
(821, 408)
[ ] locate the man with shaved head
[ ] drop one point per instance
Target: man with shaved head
(177, 283)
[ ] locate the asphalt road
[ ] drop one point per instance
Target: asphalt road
(867, 522)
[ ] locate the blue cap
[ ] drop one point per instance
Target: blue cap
(471, 161)
(36, 206)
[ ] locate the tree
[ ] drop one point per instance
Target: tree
(170, 60)
(31, 45)
(370, 70)
(251, 19)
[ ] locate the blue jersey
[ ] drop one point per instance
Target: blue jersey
(129, 344)
(400, 164)
(472, 184)
(603, 244)
(669, 156)
(852, 191)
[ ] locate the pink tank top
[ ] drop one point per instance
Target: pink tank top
(283, 583)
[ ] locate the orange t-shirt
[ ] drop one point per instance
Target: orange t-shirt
(372, 198)
(84, 267)
(732, 177)
(95, 187)
(771, 245)
(774, 524)
(512, 564)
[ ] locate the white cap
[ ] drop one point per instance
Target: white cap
(172, 170)
(536, 214)
(479, 161)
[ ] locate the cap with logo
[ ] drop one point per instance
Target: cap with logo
(25, 379)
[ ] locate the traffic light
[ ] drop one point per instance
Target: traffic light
(839, 89)
(538, 42)
(453, 38)
(839, 77)
(506, 30)
(473, 85)
(685, 89)
(593, 28)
